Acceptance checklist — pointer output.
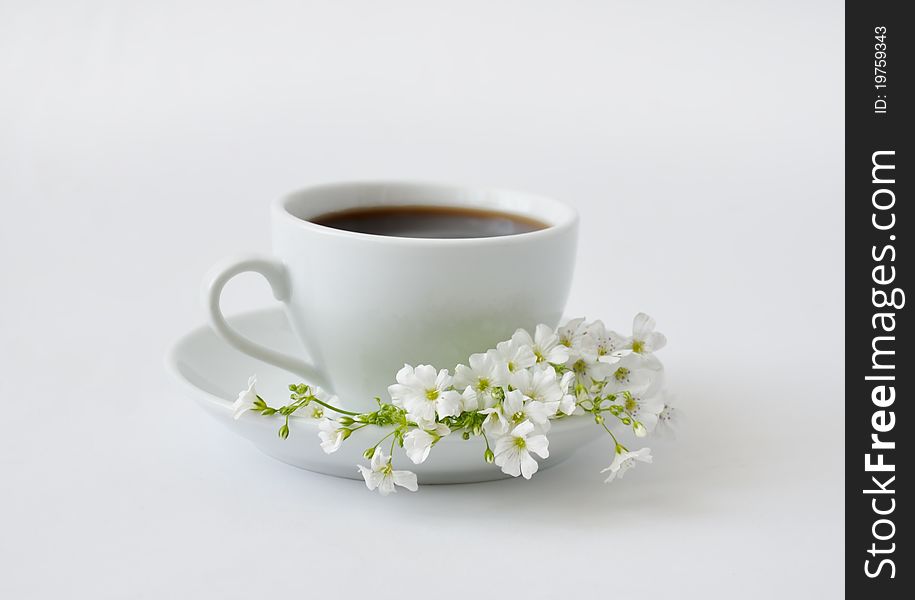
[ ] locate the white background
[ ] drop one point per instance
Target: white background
(702, 143)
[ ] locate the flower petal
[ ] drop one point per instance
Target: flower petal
(372, 478)
(529, 466)
(399, 392)
(539, 444)
(442, 380)
(464, 377)
(406, 479)
(510, 463)
(425, 376)
(386, 485)
(520, 338)
(479, 363)
(522, 429)
(538, 412)
(448, 404)
(417, 444)
(503, 445)
(557, 355)
(470, 400)
(379, 459)
(514, 402)
(656, 341)
(642, 326)
(404, 374)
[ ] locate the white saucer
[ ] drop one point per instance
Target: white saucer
(212, 373)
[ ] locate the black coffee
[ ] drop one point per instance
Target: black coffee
(429, 222)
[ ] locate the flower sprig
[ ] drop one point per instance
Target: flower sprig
(508, 396)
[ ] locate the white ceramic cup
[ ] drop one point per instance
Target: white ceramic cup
(363, 305)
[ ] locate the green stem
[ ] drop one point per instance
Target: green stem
(303, 401)
(485, 439)
(615, 441)
(378, 443)
(334, 408)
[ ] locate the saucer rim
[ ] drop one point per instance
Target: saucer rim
(171, 366)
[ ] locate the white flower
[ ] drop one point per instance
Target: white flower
(644, 410)
(545, 345)
(668, 418)
(570, 334)
(509, 357)
(381, 475)
(606, 344)
(497, 423)
(645, 341)
(423, 393)
(588, 368)
(631, 374)
(516, 408)
(513, 451)
(585, 353)
(314, 411)
(332, 435)
(246, 399)
(624, 460)
(539, 384)
(477, 381)
(418, 442)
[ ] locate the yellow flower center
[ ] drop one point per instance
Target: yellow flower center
(431, 395)
(638, 346)
(520, 443)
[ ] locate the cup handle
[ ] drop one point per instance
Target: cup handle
(276, 275)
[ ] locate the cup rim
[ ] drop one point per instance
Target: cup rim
(558, 216)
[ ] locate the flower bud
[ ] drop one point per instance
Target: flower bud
(488, 456)
(345, 421)
(598, 419)
(466, 435)
(369, 453)
(284, 431)
(346, 432)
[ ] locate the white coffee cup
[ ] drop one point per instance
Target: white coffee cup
(363, 305)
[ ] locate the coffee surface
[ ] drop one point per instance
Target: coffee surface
(443, 222)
